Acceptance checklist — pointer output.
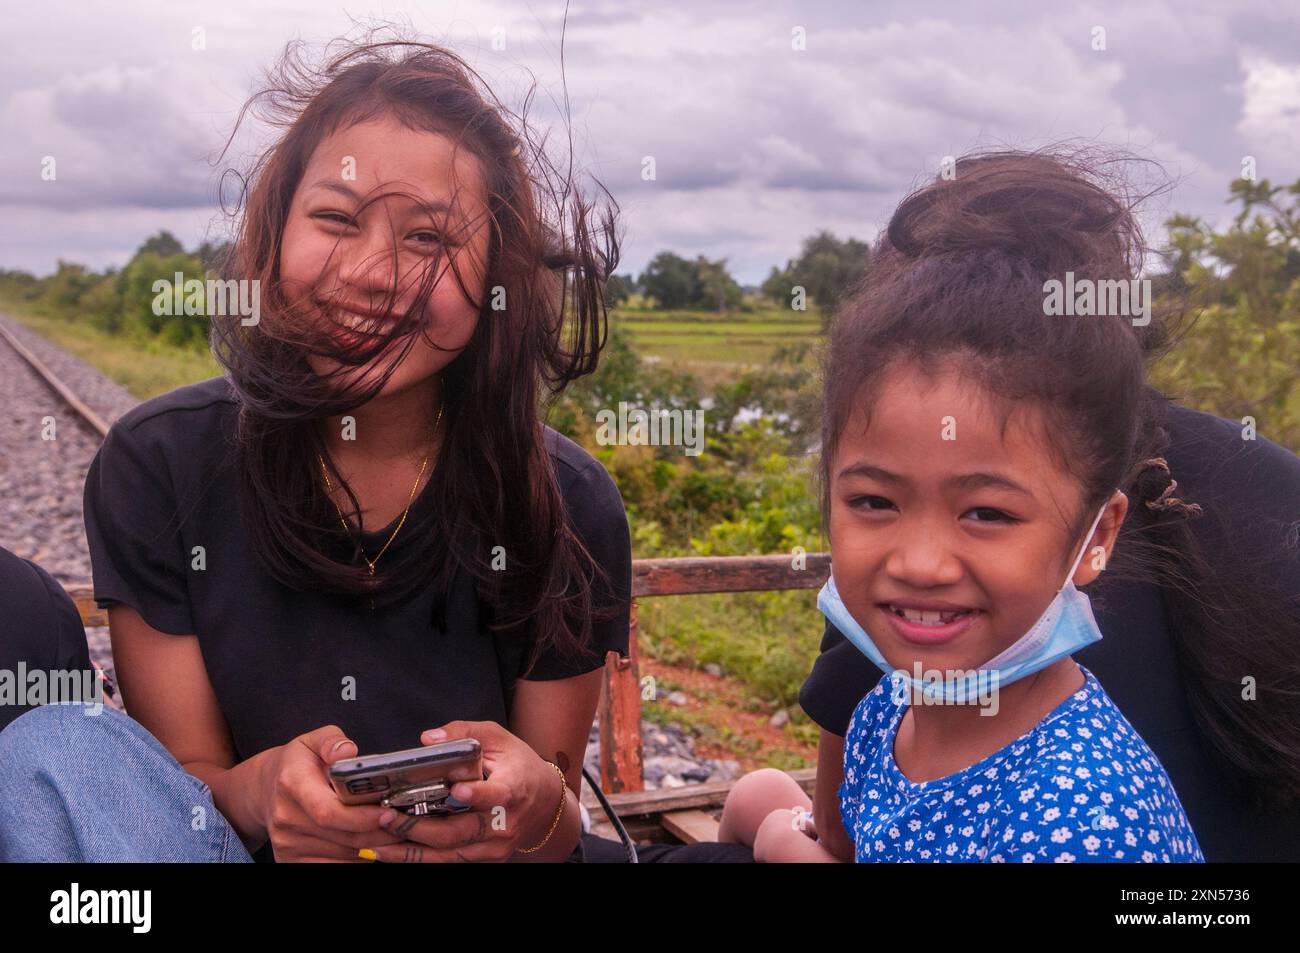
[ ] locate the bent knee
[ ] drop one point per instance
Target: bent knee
(777, 829)
(765, 783)
(59, 730)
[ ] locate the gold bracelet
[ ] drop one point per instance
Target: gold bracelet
(564, 796)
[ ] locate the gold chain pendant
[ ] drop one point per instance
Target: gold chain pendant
(329, 489)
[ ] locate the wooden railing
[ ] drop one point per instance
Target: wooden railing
(619, 714)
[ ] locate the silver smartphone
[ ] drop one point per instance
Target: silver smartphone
(414, 780)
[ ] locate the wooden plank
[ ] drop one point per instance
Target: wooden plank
(643, 813)
(651, 577)
(642, 830)
(91, 614)
(693, 575)
(708, 794)
(691, 827)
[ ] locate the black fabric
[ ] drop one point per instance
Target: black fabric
(40, 627)
(164, 482)
(1250, 494)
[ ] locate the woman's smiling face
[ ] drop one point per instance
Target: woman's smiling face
(969, 536)
(363, 261)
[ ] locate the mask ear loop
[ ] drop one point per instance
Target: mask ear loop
(1069, 576)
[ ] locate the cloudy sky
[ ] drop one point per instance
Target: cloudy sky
(756, 144)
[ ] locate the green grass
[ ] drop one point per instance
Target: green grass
(768, 640)
(759, 314)
(687, 352)
(145, 368)
(716, 346)
(711, 346)
(641, 326)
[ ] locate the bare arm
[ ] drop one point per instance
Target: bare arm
(826, 801)
(554, 719)
(165, 687)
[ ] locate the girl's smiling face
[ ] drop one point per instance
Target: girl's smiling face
(364, 261)
(970, 537)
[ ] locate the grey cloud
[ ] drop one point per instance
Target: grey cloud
(756, 145)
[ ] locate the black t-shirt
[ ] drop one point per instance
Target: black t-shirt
(283, 662)
(1250, 495)
(41, 629)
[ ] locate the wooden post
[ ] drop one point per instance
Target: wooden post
(620, 719)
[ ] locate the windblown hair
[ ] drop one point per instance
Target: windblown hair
(550, 249)
(958, 280)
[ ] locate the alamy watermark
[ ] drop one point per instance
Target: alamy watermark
(77, 906)
(975, 686)
(634, 426)
(211, 297)
(1086, 297)
(33, 687)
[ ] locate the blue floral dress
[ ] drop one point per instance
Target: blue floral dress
(1081, 785)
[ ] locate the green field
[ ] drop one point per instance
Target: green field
(710, 346)
(713, 346)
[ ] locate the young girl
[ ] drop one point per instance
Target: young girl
(362, 538)
(976, 448)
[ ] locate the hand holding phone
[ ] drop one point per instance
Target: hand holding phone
(414, 780)
(303, 816)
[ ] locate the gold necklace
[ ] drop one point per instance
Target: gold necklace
(329, 489)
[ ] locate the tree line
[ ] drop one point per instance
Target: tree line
(825, 269)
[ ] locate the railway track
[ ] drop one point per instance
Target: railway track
(78, 406)
(59, 466)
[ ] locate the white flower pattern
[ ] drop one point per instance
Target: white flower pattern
(1081, 786)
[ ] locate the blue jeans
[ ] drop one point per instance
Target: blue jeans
(98, 787)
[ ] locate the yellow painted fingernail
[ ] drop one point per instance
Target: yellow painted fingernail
(366, 853)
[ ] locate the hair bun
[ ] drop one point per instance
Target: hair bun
(1040, 208)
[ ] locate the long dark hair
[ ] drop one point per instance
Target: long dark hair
(959, 276)
(551, 251)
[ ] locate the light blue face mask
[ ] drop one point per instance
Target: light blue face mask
(1066, 625)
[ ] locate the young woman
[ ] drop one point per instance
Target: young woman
(979, 459)
(363, 538)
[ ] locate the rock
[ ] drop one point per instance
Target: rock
(780, 719)
(714, 669)
(726, 769)
(677, 698)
